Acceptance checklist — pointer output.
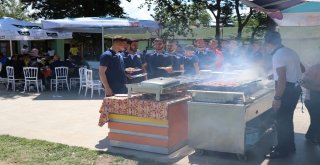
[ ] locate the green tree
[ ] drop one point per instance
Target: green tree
(177, 17)
(13, 9)
(257, 24)
(203, 19)
(183, 11)
(242, 19)
(56, 9)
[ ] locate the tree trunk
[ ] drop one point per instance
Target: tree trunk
(241, 24)
(271, 25)
(218, 36)
(253, 34)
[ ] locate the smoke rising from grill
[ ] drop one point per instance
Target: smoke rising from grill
(242, 63)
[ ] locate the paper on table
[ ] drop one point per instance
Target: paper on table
(139, 75)
(132, 69)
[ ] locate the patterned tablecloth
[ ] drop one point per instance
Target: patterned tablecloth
(136, 106)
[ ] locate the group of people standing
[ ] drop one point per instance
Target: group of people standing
(286, 67)
(121, 63)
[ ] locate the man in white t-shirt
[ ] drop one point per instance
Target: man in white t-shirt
(287, 72)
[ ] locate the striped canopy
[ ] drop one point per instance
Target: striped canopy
(289, 12)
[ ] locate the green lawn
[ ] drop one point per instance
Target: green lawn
(14, 150)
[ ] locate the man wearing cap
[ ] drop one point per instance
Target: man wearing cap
(287, 71)
(158, 63)
(111, 69)
(132, 60)
(177, 58)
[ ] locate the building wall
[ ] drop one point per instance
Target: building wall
(305, 41)
(58, 46)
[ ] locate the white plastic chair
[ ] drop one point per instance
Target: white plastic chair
(3, 81)
(61, 76)
(73, 81)
(93, 84)
(76, 80)
(31, 77)
(11, 79)
(82, 78)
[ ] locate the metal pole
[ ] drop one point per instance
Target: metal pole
(11, 52)
(102, 40)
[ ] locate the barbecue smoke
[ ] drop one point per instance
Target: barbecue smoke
(245, 62)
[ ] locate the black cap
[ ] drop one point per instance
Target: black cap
(189, 48)
(130, 40)
(273, 37)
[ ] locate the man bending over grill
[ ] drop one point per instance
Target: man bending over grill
(287, 72)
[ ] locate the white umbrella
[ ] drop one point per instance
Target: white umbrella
(100, 25)
(12, 29)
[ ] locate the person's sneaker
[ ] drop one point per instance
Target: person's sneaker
(314, 141)
(276, 155)
(292, 149)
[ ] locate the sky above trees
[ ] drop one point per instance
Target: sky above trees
(131, 8)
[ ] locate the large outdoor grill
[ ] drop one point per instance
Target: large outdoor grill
(161, 87)
(228, 116)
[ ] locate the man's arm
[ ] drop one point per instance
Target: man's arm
(310, 84)
(144, 68)
(196, 67)
(281, 85)
(303, 69)
(310, 79)
(182, 69)
(104, 80)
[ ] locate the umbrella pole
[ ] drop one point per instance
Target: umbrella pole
(11, 52)
(102, 39)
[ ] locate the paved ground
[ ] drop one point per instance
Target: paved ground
(69, 118)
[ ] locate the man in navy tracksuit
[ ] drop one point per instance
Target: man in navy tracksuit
(111, 69)
(176, 57)
(133, 59)
(158, 63)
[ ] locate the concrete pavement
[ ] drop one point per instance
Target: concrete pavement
(69, 118)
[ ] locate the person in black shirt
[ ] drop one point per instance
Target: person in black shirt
(191, 61)
(111, 69)
(4, 61)
(132, 60)
(311, 81)
(158, 63)
(206, 58)
(177, 58)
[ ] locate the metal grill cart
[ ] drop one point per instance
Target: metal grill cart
(228, 116)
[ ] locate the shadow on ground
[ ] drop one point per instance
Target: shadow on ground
(104, 147)
(306, 153)
(50, 95)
